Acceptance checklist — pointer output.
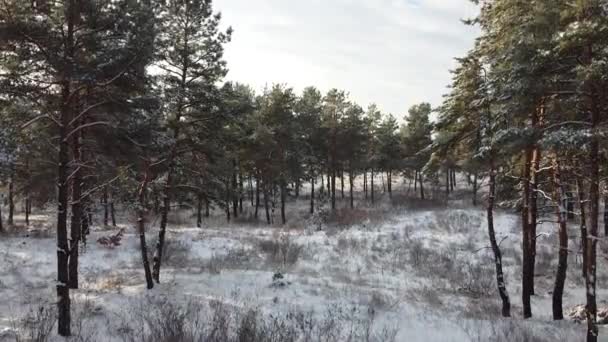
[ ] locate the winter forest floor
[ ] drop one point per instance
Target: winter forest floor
(402, 270)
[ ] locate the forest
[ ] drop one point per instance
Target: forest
(134, 174)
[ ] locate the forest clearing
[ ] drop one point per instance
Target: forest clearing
(341, 170)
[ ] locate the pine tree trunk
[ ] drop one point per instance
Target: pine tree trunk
(105, 206)
(421, 185)
(606, 215)
(562, 267)
(352, 185)
(199, 211)
(389, 181)
(365, 182)
(266, 204)
(112, 212)
(207, 213)
(11, 201)
(251, 189)
(583, 221)
(447, 183)
(342, 183)
(415, 181)
(283, 196)
(333, 189)
(536, 157)
(1, 224)
(141, 227)
(227, 201)
(526, 239)
(76, 219)
(257, 198)
(160, 243)
(235, 195)
(475, 189)
(594, 196)
(372, 184)
(312, 193)
(297, 188)
(500, 280)
(62, 281)
(241, 191)
(27, 210)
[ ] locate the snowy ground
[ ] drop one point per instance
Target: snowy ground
(394, 272)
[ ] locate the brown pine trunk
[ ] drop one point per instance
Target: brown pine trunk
(583, 221)
(475, 189)
(199, 211)
(76, 219)
(389, 182)
(500, 280)
(536, 157)
(592, 237)
(526, 271)
(283, 195)
(562, 221)
(257, 198)
(365, 182)
(251, 189)
(105, 206)
(234, 190)
(11, 201)
(352, 185)
(312, 193)
(112, 212)
(141, 227)
(372, 184)
(1, 224)
(333, 188)
(266, 204)
(415, 181)
(342, 183)
(421, 185)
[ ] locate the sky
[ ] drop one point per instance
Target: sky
(395, 53)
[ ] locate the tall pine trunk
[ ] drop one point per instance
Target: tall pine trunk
(562, 221)
(342, 183)
(105, 206)
(526, 239)
(580, 185)
(475, 189)
(199, 211)
(11, 201)
(312, 193)
(500, 280)
(112, 212)
(372, 184)
(365, 182)
(333, 188)
(420, 178)
(257, 197)
(352, 185)
(141, 227)
(76, 219)
(283, 195)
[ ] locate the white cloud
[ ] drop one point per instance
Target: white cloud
(392, 52)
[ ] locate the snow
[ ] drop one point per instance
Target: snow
(368, 265)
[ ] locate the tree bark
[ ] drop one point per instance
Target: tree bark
(365, 182)
(526, 271)
(312, 193)
(234, 190)
(583, 221)
(199, 211)
(105, 206)
(112, 212)
(352, 185)
(283, 196)
(141, 227)
(475, 189)
(500, 280)
(333, 188)
(11, 201)
(76, 219)
(342, 183)
(266, 204)
(257, 197)
(372, 184)
(421, 185)
(562, 221)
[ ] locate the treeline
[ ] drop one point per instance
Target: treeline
(125, 102)
(529, 110)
